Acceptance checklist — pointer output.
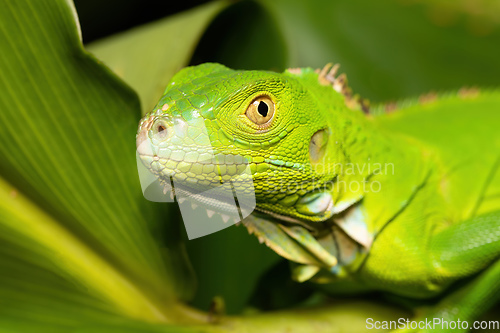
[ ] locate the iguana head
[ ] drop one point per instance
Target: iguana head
(213, 122)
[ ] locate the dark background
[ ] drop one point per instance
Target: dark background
(103, 18)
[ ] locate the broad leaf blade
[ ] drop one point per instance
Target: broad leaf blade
(35, 235)
(67, 141)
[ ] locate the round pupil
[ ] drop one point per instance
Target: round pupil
(161, 128)
(263, 109)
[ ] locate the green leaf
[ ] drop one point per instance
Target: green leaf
(148, 56)
(71, 203)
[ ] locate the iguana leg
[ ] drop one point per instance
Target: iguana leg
(459, 251)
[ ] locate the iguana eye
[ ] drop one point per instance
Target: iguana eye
(261, 110)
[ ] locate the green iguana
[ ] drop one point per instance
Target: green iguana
(406, 202)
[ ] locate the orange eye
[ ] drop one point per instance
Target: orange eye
(261, 110)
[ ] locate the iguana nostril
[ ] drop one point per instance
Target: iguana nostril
(160, 130)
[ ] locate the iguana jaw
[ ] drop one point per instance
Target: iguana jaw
(290, 237)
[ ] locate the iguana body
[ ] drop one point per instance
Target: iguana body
(406, 202)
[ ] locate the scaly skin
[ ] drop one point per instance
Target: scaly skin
(406, 202)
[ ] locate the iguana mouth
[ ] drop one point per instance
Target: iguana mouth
(222, 202)
(214, 191)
